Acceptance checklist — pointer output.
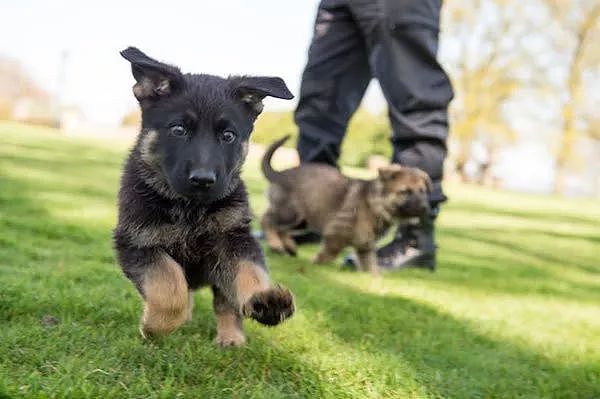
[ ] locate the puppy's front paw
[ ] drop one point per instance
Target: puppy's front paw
(292, 251)
(278, 250)
(230, 338)
(323, 257)
(270, 307)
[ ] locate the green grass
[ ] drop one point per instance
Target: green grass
(513, 311)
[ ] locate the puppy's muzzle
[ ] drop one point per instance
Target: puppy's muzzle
(202, 178)
(415, 205)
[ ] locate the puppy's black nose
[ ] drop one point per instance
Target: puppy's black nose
(202, 178)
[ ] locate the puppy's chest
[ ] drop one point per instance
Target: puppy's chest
(194, 235)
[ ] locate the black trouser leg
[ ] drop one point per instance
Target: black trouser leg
(333, 83)
(415, 86)
(395, 41)
(418, 92)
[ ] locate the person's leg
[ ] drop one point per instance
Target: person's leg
(416, 87)
(418, 91)
(335, 78)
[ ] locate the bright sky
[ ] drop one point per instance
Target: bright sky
(268, 37)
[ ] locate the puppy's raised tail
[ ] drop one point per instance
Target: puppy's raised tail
(271, 174)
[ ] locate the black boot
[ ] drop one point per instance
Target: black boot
(413, 246)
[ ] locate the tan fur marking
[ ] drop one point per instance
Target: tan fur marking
(253, 101)
(166, 297)
(143, 89)
(229, 330)
(163, 87)
(146, 88)
(147, 150)
(245, 147)
(250, 279)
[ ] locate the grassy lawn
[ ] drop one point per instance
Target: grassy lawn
(513, 311)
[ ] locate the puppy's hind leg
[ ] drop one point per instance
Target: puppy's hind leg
(272, 236)
(289, 244)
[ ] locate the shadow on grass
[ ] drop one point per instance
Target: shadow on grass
(67, 167)
(447, 356)
(451, 357)
(477, 207)
(556, 257)
(507, 267)
(98, 315)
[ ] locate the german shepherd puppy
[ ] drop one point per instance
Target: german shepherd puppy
(347, 212)
(183, 210)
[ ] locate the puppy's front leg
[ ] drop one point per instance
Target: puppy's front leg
(229, 321)
(165, 292)
(257, 298)
(330, 248)
(367, 260)
(243, 288)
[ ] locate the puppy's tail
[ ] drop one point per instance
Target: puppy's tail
(271, 174)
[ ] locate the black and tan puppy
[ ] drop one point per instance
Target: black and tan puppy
(183, 210)
(347, 212)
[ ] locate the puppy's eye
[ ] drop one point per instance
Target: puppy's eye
(228, 136)
(178, 131)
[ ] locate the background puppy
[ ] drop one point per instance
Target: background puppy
(183, 211)
(348, 212)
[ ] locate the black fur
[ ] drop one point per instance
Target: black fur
(188, 121)
(266, 307)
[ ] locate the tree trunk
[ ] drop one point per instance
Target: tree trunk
(568, 136)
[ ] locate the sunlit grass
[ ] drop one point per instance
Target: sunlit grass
(513, 310)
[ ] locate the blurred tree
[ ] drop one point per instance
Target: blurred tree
(16, 85)
(132, 118)
(579, 19)
(593, 127)
(368, 134)
(272, 125)
(488, 65)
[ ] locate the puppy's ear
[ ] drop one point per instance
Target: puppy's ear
(153, 78)
(427, 179)
(390, 172)
(252, 89)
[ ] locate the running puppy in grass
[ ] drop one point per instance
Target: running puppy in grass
(183, 210)
(347, 212)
